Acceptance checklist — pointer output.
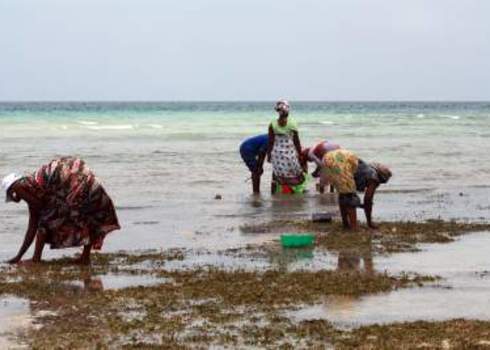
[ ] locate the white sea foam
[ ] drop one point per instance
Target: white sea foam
(87, 122)
(454, 117)
(155, 126)
(327, 122)
(111, 127)
(421, 116)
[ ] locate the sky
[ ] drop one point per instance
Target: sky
(171, 50)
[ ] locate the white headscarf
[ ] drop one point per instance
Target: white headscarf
(282, 106)
(8, 181)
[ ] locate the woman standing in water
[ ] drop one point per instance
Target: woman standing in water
(284, 150)
(68, 207)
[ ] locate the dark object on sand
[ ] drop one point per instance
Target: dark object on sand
(322, 217)
(218, 197)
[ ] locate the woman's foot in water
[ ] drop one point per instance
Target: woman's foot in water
(29, 262)
(84, 259)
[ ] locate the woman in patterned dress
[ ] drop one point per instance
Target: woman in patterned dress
(68, 207)
(284, 148)
(349, 174)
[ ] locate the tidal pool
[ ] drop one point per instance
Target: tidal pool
(117, 281)
(463, 291)
(14, 316)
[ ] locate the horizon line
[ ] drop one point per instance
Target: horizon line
(245, 101)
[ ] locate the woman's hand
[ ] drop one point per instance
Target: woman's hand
(13, 260)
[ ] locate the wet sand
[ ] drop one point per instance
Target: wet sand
(14, 316)
(352, 289)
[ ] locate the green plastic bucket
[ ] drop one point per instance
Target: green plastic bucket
(291, 240)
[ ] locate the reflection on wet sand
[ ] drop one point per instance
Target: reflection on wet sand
(352, 260)
(89, 282)
(14, 315)
(286, 257)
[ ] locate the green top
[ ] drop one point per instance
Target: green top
(290, 126)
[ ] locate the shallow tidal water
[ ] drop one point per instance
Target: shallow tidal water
(14, 315)
(163, 164)
(115, 281)
(462, 292)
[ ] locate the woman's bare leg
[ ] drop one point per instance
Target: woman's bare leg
(273, 185)
(349, 216)
(38, 249)
(345, 217)
(256, 183)
(352, 215)
(85, 257)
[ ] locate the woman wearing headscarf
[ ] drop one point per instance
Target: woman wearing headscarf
(284, 150)
(349, 174)
(315, 155)
(68, 207)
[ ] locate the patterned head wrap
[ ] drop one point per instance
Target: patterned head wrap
(282, 106)
(384, 173)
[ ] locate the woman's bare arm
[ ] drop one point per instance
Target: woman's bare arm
(29, 236)
(368, 202)
(270, 144)
(260, 163)
(297, 143)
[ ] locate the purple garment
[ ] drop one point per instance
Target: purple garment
(322, 148)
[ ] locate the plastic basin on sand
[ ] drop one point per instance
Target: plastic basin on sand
(297, 240)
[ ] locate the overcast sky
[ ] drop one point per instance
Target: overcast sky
(244, 49)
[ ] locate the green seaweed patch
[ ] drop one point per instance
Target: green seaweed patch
(200, 306)
(132, 258)
(235, 308)
(390, 237)
(276, 287)
(453, 334)
(405, 236)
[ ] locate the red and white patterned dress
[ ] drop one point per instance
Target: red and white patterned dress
(76, 210)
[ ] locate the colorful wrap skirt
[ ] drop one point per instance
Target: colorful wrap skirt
(76, 210)
(340, 168)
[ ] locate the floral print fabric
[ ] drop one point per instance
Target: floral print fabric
(76, 210)
(340, 167)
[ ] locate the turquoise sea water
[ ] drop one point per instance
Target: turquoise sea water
(163, 163)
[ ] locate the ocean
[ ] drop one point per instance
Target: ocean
(164, 163)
